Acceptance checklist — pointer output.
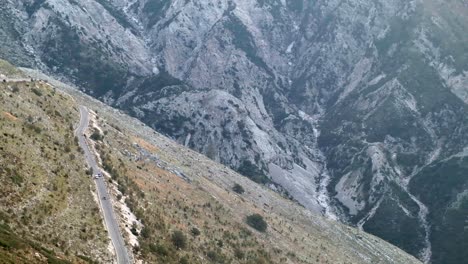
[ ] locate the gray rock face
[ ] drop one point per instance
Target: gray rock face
(355, 108)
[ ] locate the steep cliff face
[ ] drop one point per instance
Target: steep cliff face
(401, 117)
(355, 108)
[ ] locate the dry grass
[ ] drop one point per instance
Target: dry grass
(45, 195)
(9, 70)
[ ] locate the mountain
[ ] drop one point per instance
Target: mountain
(356, 109)
(173, 205)
(47, 210)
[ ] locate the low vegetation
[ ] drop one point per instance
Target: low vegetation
(14, 249)
(256, 221)
(46, 196)
(9, 70)
(96, 135)
(238, 188)
(179, 240)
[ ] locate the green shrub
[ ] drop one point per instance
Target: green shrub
(179, 240)
(195, 231)
(159, 249)
(238, 253)
(257, 222)
(145, 232)
(67, 149)
(184, 260)
(96, 136)
(34, 128)
(216, 257)
(36, 91)
(134, 229)
(220, 243)
(238, 189)
(16, 178)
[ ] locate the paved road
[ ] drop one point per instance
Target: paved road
(104, 199)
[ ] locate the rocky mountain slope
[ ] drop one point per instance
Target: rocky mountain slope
(47, 210)
(355, 108)
(158, 187)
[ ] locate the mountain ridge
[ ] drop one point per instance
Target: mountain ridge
(167, 188)
(339, 102)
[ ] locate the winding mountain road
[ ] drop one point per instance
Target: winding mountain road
(103, 197)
